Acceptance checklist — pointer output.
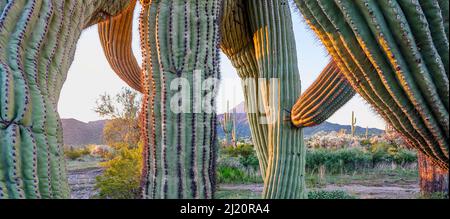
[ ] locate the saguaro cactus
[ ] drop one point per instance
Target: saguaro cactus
(367, 132)
(234, 136)
(353, 124)
(263, 50)
(395, 55)
(227, 124)
(180, 46)
(37, 45)
(323, 98)
(255, 45)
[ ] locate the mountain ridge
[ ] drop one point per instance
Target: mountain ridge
(77, 133)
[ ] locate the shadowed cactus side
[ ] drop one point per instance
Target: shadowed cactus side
(179, 41)
(323, 98)
(259, 48)
(395, 55)
(37, 45)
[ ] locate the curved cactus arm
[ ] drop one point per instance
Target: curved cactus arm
(327, 94)
(371, 90)
(37, 45)
(181, 43)
(116, 38)
(408, 87)
(237, 44)
(279, 85)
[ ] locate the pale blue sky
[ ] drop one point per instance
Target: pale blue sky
(91, 76)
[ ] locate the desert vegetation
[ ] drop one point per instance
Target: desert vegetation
(338, 166)
(394, 54)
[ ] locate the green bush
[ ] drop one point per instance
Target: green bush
(353, 159)
(227, 174)
(405, 156)
(121, 178)
(380, 152)
(250, 161)
(74, 154)
(244, 150)
(348, 159)
(337, 194)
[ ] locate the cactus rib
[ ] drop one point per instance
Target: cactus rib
(116, 38)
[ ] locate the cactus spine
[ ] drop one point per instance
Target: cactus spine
(404, 75)
(262, 50)
(323, 98)
(179, 39)
(116, 38)
(37, 45)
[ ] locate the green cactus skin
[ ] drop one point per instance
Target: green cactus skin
(179, 37)
(323, 98)
(239, 47)
(395, 54)
(37, 44)
(262, 49)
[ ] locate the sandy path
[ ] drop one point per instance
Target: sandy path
(82, 182)
(401, 191)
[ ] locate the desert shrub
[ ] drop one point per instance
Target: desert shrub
(238, 169)
(121, 178)
(227, 174)
(381, 152)
(334, 161)
(74, 154)
(244, 150)
(365, 142)
(353, 159)
(250, 161)
(404, 156)
(435, 195)
(336, 194)
(101, 151)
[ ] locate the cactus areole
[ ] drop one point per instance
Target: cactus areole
(393, 53)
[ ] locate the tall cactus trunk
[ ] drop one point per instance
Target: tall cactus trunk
(432, 178)
(262, 49)
(239, 48)
(276, 59)
(180, 47)
(37, 45)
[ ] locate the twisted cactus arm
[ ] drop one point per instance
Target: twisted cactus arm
(273, 37)
(37, 45)
(237, 44)
(263, 52)
(179, 39)
(116, 38)
(404, 76)
(323, 98)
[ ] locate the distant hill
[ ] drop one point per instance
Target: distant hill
(80, 133)
(243, 129)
